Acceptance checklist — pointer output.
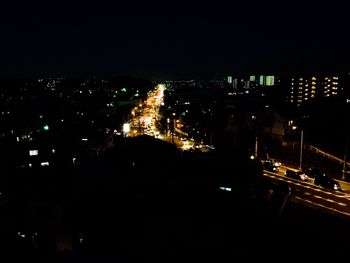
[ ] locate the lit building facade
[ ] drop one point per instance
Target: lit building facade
(253, 82)
(305, 89)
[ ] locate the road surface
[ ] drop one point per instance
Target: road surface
(306, 193)
(145, 118)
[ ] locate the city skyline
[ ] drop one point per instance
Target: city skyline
(146, 131)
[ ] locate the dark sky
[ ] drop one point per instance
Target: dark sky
(176, 40)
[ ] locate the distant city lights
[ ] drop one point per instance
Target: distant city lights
(126, 127)
(227, 189)
(33, 152)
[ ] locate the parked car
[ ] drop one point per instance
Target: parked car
(270, 166)
(327, 182)
(312, 172)
(298, 175)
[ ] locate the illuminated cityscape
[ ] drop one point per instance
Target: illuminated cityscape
(149, 133)
(306, 89)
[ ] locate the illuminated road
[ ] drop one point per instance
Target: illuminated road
(306, 193)
(145, 119)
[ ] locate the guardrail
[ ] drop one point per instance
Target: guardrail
(343, 184)
(318, 151)
(327, 155)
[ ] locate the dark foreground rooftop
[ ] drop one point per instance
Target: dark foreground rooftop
(166, 207)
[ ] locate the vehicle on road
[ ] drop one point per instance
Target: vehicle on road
(312, 172)
(270, 166)
(275, 162)
(327, 182)
(298, 175)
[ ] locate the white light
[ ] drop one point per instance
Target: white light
(84, 139)
(21, 235)
(126, 127)
(252, 157)
(33, 152)
(44, 164)
(228, 189)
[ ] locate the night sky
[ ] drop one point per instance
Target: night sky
(170, 41)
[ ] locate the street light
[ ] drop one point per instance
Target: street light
(126, 129)
(301, 144)
(301, 148)
(345, 153)
(347, 109)
(173, 131)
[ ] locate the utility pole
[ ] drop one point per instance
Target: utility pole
(301, 149)
(346, 141)
(256, 147)
(173, 131)
(345, 155)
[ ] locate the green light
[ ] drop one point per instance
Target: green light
(270, 80)
(46, 127)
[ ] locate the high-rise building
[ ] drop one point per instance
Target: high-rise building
(270, 80)
(235, 83)
(304, 89)
(262, 80)
(329, 86)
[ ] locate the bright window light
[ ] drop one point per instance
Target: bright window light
(33, 152)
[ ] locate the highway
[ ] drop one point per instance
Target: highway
(306, 193)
